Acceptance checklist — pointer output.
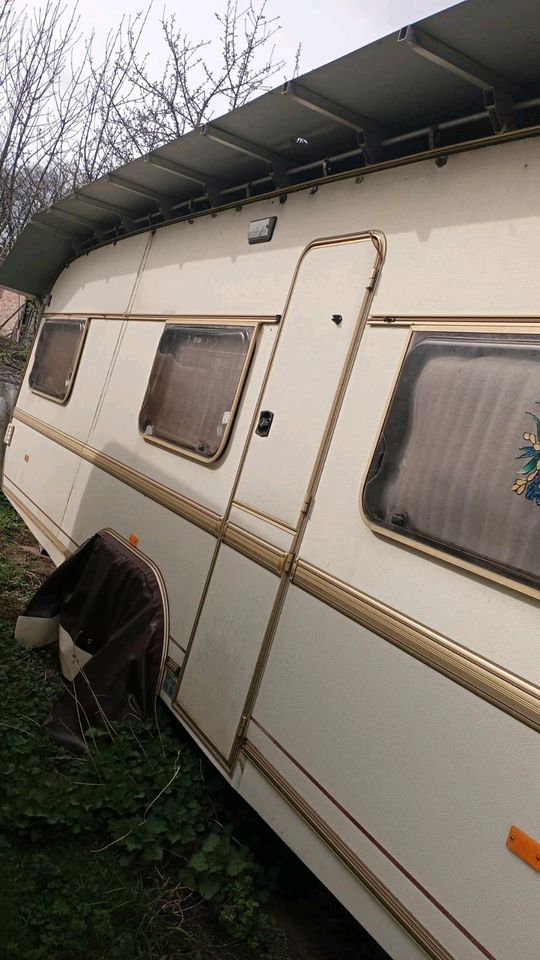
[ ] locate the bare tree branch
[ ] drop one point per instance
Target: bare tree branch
(69, 113)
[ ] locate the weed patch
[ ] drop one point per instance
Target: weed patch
(21, 567)
(12, 358)
(125, 852)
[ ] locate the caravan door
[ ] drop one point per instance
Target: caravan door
(321, 325)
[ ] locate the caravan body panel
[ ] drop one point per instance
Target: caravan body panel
(376, 701)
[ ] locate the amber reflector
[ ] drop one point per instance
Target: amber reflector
(133, 539)
(524, 847)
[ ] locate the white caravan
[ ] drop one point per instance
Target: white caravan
(294, 359)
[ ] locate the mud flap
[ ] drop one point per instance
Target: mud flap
(106, 608)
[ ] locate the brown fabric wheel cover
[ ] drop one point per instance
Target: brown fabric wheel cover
(109, 601)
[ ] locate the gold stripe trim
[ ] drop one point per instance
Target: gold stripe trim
(178, 709)
(500, 687)
(187, 509)
(378, 241)
(425, 940)
(171, 664)
(229, 319)
(22, 508)
(472, 326)
(255, 549)
(390, 319)
(262, 516)
(462, 324)
(233, 501)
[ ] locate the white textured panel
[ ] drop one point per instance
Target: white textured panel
(226, 645)
(75, 416)
(116, 430)
(298, 835)
(208, 267)
(495, 621)
(451, 249)
(304, 376)
(181, 551)
(103, 281)
(46, 477)
(435, 774)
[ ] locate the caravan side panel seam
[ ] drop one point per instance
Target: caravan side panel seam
(255, 549)
(500, 687)
(188, 509)
(23, 509)
(357, 867)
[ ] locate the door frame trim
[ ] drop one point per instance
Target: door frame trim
(378, 239)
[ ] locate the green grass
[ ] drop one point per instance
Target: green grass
(125, 853)
(137, 850)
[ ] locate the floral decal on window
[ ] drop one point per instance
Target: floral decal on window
(528, 480)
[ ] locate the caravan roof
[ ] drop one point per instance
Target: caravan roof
(454, 81)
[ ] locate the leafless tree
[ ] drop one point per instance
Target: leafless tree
(40, 109)
(140, 102)
(69, 113)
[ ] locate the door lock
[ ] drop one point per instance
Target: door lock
(264, 424)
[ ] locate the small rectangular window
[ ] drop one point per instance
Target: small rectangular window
(56, 359)
(457, 465)
(194, 387)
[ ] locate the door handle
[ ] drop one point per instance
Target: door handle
(264, 424)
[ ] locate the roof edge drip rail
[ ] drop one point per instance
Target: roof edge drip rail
(276, 163)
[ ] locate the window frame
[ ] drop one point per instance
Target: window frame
(473, 325)
(244, 324)
(85, 321)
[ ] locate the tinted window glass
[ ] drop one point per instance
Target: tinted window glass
(457, 466)
(56, 357)
(193, 385)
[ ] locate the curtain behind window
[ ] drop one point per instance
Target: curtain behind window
(446, 465)
(193, 383)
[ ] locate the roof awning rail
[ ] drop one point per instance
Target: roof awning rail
(463, 78)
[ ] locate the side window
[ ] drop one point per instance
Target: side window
(56, 359)
(457, 465)
(195, 386)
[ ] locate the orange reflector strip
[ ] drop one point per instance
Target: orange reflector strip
(524, 847)
(133, 539)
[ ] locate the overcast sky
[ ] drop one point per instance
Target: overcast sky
(325, 28)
